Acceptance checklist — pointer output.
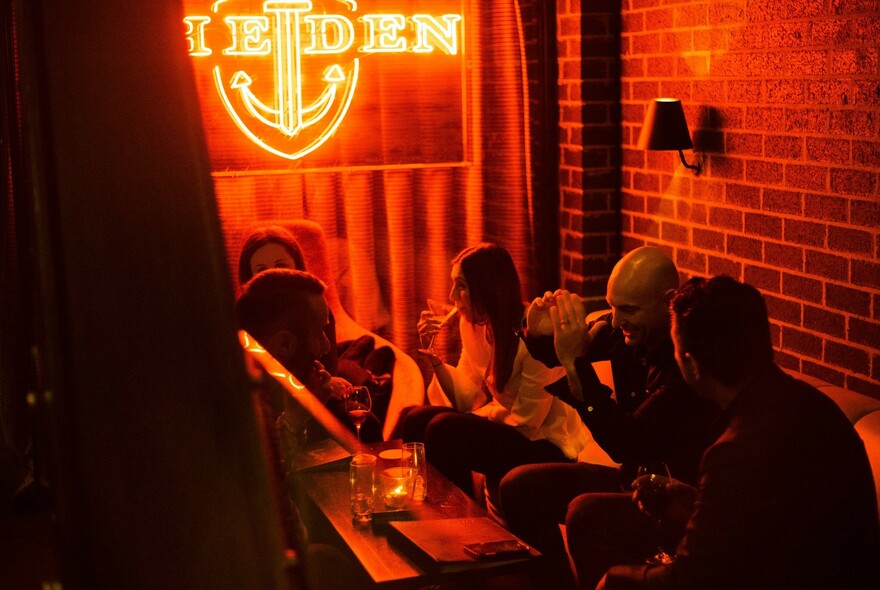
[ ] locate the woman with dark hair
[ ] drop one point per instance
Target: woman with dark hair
(270, 246)
(504, 417)
(273, 246)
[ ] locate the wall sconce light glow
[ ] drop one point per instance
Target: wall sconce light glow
(314, 62)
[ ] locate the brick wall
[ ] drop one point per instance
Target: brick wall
(783, 100)
(588, 46)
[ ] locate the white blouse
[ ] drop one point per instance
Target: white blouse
(522, 404)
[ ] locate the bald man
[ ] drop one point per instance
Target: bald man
(653, 416)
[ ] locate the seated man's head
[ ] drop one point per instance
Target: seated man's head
(286, 312)
(721, 332)
(639, 290)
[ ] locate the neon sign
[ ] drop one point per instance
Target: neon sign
(287, 71)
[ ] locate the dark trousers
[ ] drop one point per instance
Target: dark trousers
(457, 444)
(606, 530)
(601, 526)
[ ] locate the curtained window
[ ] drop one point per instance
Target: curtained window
(393, 228)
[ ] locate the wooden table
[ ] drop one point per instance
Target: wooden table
(386, 563)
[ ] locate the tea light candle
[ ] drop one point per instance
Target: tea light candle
(397, 497)
(396, 488)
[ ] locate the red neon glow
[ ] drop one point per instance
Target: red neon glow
(286, 71)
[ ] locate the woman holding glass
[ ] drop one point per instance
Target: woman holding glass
(490, 412)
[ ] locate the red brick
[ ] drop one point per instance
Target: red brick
(847, 299)
(709, 39)
(724, 266)
(648, 43)
(744, 143)
(801, 342)
(805, 288)
(708, 239)
(775, 335)
(744, 91)
(819, 319)
(730, 168)
(763, 172)
(864, 332)
(646, 226)
(658, 19)
(842, 239)
(781, 201)
(861, 123)
(789, 147)
(865, 93)
(853, 182)
(863, 386)
(687, 210)
(804, 63)
(805, 232)
(765, 226)
(649, 182)
(806, 177)
(806, 120)
(787, 34)
(674, 232)
(783, 359)
(854, 61)
(784, 91)
(767, 118)
(745, 247)
(731, 117)
(847, 357)
(866, 273)
(826, 265)
(689, 260)
(825, 373)
(827, 92)
(708, 189)
(826, 207)
(705, 91)
(765, 279)
(821, 149)
(726, 218)
(660, 206)
(865, 213)
(692, 15)
(790, 257)
(743, 196)
(631, 202)
(676, 41)
(633, 22)
(783, 310)
(866, 153)
(852, 6)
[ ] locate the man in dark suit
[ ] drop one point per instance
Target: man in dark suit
(785, 497)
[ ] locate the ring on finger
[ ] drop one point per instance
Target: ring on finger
(564, 322)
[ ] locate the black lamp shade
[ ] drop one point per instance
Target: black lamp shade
(665, 127)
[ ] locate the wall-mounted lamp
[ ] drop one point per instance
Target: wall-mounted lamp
(665, 128)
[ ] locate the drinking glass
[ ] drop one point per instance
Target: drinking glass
(651, 484)
(357, 405)
(362, 481)
(443, 313)
(414, 461)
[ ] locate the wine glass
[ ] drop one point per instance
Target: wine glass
(651, 484)
(443, 313)
(357, 405)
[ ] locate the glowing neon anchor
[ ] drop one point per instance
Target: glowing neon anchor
(289, 116)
